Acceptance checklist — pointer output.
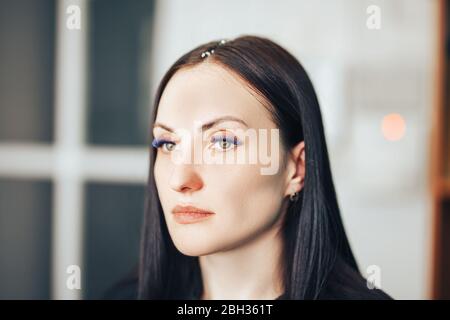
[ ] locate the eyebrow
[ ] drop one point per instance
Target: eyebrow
(206, 126)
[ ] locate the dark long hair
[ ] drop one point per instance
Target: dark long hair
(316, 248)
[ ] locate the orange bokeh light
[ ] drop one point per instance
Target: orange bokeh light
(393, 127)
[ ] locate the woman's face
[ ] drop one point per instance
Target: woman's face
(245, 199)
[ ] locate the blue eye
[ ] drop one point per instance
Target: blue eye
(225, 142)
(157, 143)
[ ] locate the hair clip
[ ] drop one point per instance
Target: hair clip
(208, 52)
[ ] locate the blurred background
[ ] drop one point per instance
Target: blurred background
(74, 111)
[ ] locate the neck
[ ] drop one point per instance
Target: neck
(251, 271)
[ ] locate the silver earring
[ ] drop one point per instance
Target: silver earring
(294, 196)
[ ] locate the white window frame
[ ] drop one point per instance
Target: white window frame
(68, 162)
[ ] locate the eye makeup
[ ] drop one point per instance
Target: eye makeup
(220, 138)
(156, 143)
(232, 140)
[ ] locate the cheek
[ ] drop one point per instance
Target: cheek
(160, 173)
(246, 199)
(157, 172)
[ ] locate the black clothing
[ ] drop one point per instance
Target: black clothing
(344, 283)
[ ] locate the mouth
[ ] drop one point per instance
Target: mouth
(190, 214)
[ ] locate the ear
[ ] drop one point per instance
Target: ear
(296, 169)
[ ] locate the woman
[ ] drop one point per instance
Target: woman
(241, 230)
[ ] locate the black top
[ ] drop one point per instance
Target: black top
(348, 285)
(344, 283)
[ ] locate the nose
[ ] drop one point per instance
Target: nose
(185, 178)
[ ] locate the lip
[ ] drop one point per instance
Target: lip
(190, 214)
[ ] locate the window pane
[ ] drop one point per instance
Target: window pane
(112, 224)
(120, 34)
(27, 30)
(25, 235)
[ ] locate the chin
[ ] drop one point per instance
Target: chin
(193, 251)
(194, 247)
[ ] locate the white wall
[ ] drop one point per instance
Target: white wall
(360, 76)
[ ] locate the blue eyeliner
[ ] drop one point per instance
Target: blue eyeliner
(159, 142)
(156, 143)
(232, 140)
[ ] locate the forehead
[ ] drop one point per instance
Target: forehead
(206, 91)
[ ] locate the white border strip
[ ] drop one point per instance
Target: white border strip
(70, 101)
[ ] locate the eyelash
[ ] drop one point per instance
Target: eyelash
(223, 138)
(157, 143)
